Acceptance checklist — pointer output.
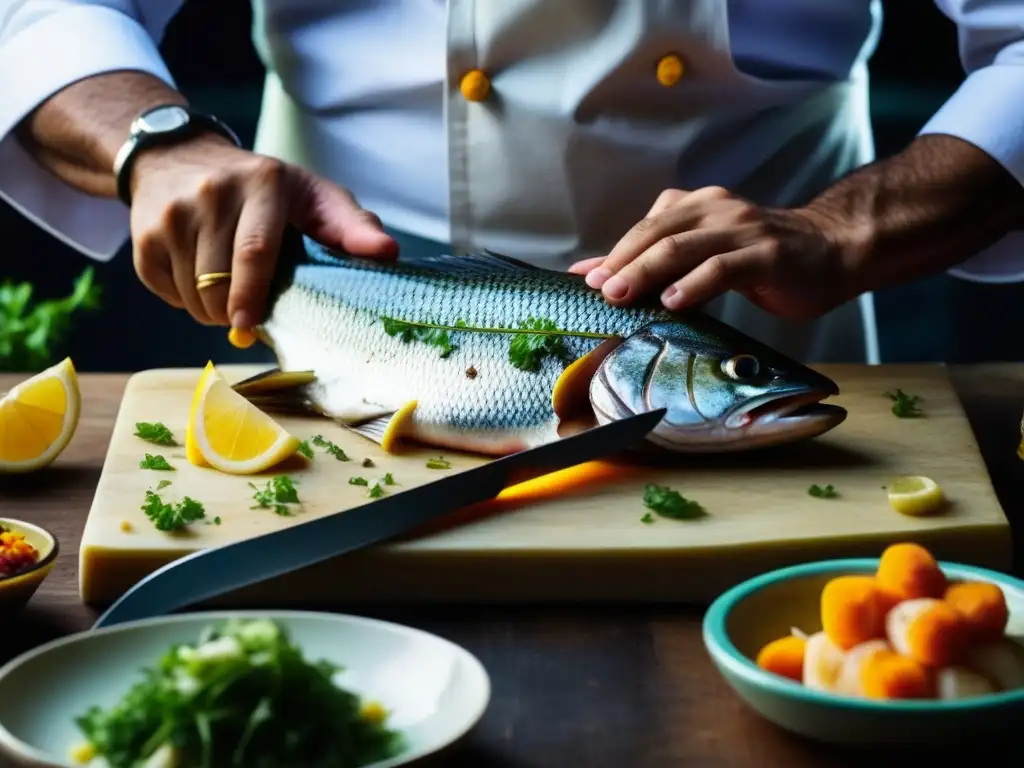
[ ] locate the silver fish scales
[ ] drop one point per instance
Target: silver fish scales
(330, 315)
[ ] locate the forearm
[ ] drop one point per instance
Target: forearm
(77, 132)
(919, 212)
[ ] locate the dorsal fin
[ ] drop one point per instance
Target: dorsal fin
(477, 263)
(483, 262)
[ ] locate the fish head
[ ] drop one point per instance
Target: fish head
(722, 390)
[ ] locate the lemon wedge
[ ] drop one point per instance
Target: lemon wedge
(915, 495)
(38, 418)
(229, 433)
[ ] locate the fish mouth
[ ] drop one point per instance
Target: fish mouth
(783, 407)
(784, 417)
(770, 420)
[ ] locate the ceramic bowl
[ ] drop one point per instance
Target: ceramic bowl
(436, 691)
(18, 590)
(742, 620)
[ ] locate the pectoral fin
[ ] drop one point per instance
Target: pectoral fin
(571, 394)
(278, 391)
(388, 429)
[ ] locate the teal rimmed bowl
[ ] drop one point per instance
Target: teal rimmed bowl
(746, 617)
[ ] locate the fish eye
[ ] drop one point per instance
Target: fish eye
(741, 367)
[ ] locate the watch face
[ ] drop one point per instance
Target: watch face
(162, 119)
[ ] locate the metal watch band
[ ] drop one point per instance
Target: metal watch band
(142, 137)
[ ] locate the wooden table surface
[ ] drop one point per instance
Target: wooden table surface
(595, 688)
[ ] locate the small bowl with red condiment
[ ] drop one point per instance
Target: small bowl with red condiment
(27, 555)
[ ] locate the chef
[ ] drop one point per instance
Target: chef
(711, 153)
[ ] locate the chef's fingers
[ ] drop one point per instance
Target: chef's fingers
(667, 199)
(214, 255)
(257, 242)
(665, 261)
(183, 265)
(330, 215)
(585, 265)
(718, 274)
(153, 266)
(675, 211)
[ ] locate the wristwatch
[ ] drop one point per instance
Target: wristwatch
(161, 126)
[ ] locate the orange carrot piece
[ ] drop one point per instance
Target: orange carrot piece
(982, 606)
(784, 657)
(927, 630)
(853, 610)
(890, 675)
(909, 571)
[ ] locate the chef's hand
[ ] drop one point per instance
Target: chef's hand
(207, 206)
(693, 246)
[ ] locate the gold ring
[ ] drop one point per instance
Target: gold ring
(211, 278)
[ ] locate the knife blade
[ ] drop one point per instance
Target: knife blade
(209, 573)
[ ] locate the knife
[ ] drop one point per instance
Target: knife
(213, 572)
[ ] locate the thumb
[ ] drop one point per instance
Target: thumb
(330, 215)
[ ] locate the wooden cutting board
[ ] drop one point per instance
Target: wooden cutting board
(575, 537)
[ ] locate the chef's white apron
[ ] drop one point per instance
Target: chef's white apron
(576, 135)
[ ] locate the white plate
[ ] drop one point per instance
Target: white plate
(436, 690)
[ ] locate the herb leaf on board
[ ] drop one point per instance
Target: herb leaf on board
(905, 406)
(154, 432)
(823, 491)
(157, 462)
(171, 517)
(669, 503)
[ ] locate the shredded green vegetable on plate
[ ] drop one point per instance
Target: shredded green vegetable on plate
(243, 695)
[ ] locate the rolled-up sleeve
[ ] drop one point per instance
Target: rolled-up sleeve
(46, 45)
(987, 110)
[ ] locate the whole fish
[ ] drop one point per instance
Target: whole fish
(433, 349)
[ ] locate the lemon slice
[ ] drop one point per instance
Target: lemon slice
(915, 495)
(231, 434)
(38, 418)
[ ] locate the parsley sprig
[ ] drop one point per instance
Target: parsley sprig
(329, 447)
(278, 493)
(534, 339)
(29, 333)
(154, 432)
(823, 491)
(905, 406)
(669, 503)
(157, 462)
(171, 517)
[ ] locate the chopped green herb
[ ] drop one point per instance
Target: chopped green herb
(425, 333)
(216, 520)
(905, 406)
(162, 484)
(277, 494)
(527, 351)
(388, 479)
(367, 462)
(533, 340)
(30, 334)
(668, 503)
(154, 433)
(823, 492)
(647, 518)
(155, 462)
(330, 447)
(439, 463)
(357, 481)
(376, 491)
(171, 517)
(305, 449)
(242, 693)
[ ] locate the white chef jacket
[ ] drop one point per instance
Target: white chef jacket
(570, 146)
